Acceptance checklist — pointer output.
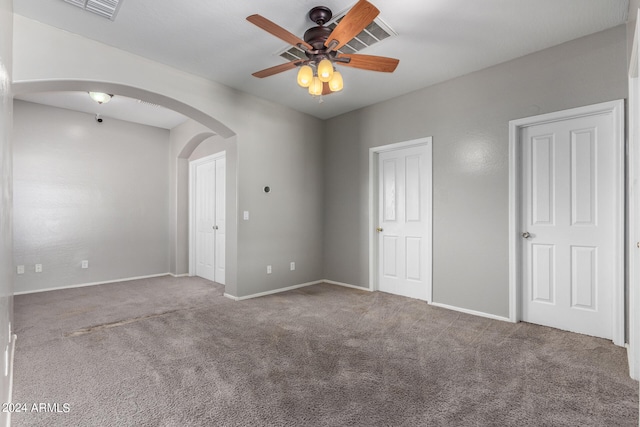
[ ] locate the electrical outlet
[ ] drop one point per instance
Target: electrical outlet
(85, 263)
(245, 215)
(292, 266)
(268, 269)
(38, 268)
(21, 269)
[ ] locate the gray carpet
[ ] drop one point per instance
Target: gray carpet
(175, 352)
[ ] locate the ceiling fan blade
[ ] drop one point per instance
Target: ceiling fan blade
(369, 62)
(326, 90)
(278, 31)
(360, 15)
(277, 69)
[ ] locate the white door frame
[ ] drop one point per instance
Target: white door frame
(633, 177)
(616, 109)
(373, 211)
(192, 205)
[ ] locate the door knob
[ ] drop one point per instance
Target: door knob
(215, 227)
(526, 235)
(379, 229)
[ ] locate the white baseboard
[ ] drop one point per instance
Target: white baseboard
(290, 288)
(448, 307)
(346, 285)
(126, 279)
(472, 312)
(275, 291)
(262, 294)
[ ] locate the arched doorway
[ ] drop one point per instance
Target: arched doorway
(186, 139)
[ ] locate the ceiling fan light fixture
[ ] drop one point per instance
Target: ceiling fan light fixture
(315, 88)
(336, 84)
(100, 97)
(305, 76)
(322, 45)
(325, 70)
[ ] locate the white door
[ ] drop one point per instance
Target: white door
(404, 213)
(220, 222)
(205, 193)
(633, 213)
(568, 235)
(208, 218)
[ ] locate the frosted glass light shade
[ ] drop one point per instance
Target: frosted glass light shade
(100, 98)
(315, 88)
(336, 84)
(325, 70)
(305, 76)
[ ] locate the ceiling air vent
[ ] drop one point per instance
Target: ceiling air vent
(148, 104)
(372, 34)
(105, 8)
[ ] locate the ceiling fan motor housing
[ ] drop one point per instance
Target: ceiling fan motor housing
(320, 15)
(316, 36)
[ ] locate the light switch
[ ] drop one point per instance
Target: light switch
(38, 268)
(85, 263)
(245, 215)
(268, 269)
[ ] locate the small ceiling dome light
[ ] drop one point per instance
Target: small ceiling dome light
(336, 84)
(100, 98)
(305, 76)
(315, 88)
(325, 70)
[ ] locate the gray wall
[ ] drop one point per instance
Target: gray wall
(285, 225)
(468, 119)
(6, 228)
(208, 147)
(183, 139)
(318, 171)
(276, 145)
(189, 141)
(90, 191)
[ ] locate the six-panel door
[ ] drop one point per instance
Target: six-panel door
(404, 211)
(568, 220)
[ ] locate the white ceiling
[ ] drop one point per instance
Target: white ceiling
(119, 107)
(437, 39)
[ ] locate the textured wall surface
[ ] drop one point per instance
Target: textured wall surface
(88, 191)
(468, 119)
(317, 213)
(189, 141)
(208, 147)
(275, 146)
(184, 139)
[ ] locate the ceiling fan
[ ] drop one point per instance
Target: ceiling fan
(321, 46)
